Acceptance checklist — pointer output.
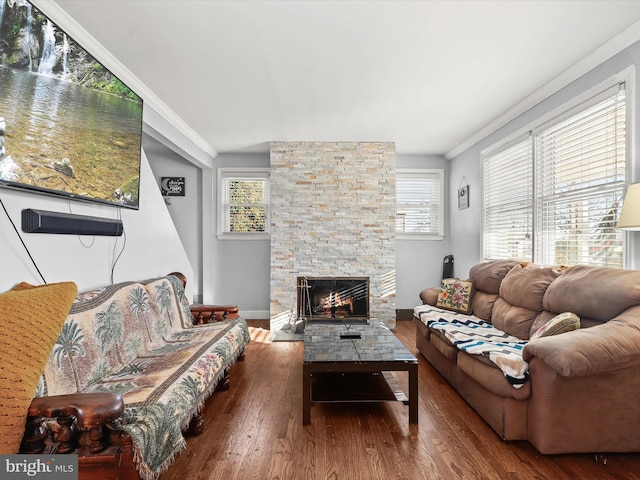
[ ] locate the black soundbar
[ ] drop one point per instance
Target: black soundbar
(42, 221)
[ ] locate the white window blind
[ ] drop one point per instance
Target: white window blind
(580, 171)
(508, 203)
(244, 205)
(419, 198)
(554, 197)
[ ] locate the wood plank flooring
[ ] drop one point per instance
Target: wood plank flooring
(255, 431)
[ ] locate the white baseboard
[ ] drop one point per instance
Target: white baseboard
(254, 314)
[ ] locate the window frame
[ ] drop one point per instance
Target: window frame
(417, 173)
(577, 105)
(225, 173)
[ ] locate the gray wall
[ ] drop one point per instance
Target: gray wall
(419, 262)
(466, 224)
(241, 269)
(184, 211)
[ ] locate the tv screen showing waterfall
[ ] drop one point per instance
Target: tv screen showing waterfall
(68, 126)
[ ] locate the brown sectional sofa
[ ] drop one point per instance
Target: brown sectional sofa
(583, 390)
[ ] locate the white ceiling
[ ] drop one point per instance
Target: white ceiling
(427, 75)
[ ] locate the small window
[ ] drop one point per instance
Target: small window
(243, 203)
(419, 204)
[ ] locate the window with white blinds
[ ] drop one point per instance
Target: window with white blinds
(243, 202)
(508, 203)
(419, 203)
(580, 172)
(554, 197)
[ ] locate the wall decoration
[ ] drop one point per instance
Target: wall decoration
(463, 194)
(172, 186)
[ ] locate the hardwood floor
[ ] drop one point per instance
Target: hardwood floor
(254, 431)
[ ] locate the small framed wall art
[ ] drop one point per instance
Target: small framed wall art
(463, 197)
(172, 186)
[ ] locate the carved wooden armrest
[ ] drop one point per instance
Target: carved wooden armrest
(208, 313)
(90, 411)
(212, 313)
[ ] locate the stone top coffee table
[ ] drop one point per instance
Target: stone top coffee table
(353, 363)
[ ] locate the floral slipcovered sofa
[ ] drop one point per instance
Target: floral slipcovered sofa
(137, 340)
(548, 354)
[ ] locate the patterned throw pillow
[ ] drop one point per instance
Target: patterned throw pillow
(565, 322)
(456, 295)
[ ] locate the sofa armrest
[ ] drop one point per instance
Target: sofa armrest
(593, 413)
(610, 346)
(208, 313)
(89, 411)
(429, 296)
(212, 313)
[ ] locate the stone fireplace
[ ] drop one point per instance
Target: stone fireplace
(332, 215)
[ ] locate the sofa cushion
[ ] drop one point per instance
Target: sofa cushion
(422, 312)
(513, 320)
(456, 295)
(491, 377)
(521, 298)
(565, 322)
(487, 276)
(167, 387)
(106, 330)
(31, 320)
(182, 302)
(594, 292)
(442, 345)
(483, 304)
(477, 337)
(525, 285)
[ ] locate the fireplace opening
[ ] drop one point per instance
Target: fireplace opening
(333, 298)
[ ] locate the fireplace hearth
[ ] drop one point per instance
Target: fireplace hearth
(333, 298)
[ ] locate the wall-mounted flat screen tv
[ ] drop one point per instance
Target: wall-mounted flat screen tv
(68, 126)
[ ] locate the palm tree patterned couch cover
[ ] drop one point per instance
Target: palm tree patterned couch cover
(138, 340)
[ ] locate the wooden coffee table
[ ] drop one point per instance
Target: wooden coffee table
(353, 363)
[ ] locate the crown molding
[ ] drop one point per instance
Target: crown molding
(100, 53)
(615, 45)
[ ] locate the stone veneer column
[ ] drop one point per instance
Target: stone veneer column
(332, 214)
